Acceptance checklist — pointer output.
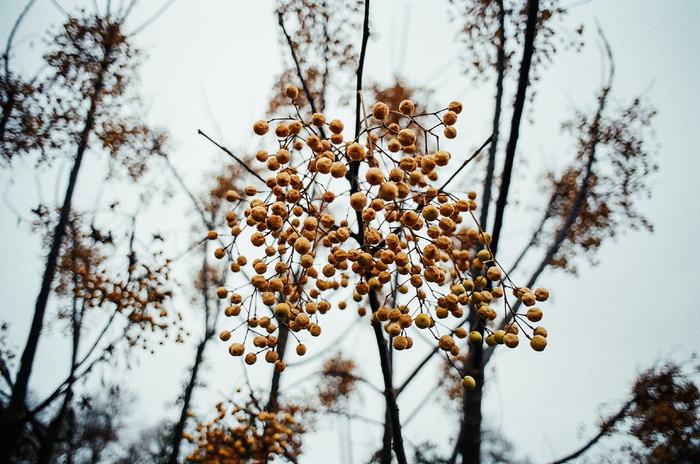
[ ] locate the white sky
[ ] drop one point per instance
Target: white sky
(210, 66)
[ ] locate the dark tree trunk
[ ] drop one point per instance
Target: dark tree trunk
(14, 418)
(518, 107)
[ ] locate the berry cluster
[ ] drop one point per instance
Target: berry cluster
(364, 214)
(247, 434)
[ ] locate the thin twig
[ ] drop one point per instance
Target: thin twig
(468, 160)
(228, 152)
(150, 20)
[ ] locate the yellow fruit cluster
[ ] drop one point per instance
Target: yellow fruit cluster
(239, 434)
(365, 215)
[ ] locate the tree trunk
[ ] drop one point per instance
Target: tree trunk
(209, 331)
(495, 128)
(14, 418)
(518, 107)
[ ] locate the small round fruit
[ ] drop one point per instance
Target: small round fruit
(511, 340)
(455, 106)
(407, 107)
(498, 336)
(236, 349)
(534, 314)
(538, 343)
(222, 292)
(261, 127)
(282, 310)
(301, 349)
(468, 382)
(292, 91)
(475, 337)
(380, 111)
(541, 294)
(422, 321)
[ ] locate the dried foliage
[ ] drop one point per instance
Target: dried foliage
(86, 91)
(338, 382)
(615, 148)
(320, 36)
(248, 434)
(664, 417)
(482, 33)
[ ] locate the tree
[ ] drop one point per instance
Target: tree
(661, 416)
(77, 107)
(585, 207)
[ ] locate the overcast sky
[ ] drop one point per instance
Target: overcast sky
(210, 66)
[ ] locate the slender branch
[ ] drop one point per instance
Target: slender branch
(355, 165)
(280, 20)
(501, 71)
(491, 139)
(150, 20)
(518, 106)
(360, 70)
(605, 428)
(10, 38)
(228, 152)
(207, 223)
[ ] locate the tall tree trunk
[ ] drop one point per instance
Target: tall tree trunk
(186, 401)
(469, 439)
(518, 106)
(498, 106)
(14, 418)
(58, 423)
(209, 330)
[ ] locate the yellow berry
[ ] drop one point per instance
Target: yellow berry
(468, 382)
(406, 137)
(422, 321)
(498, 336)
(449, 118)
(282, 310)
(539, 330)
(475, 337)
(336, 126)
(222, 292)
(511, 340)
(446, 342)
(541, 294)
(374, 176)
(355, 151)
